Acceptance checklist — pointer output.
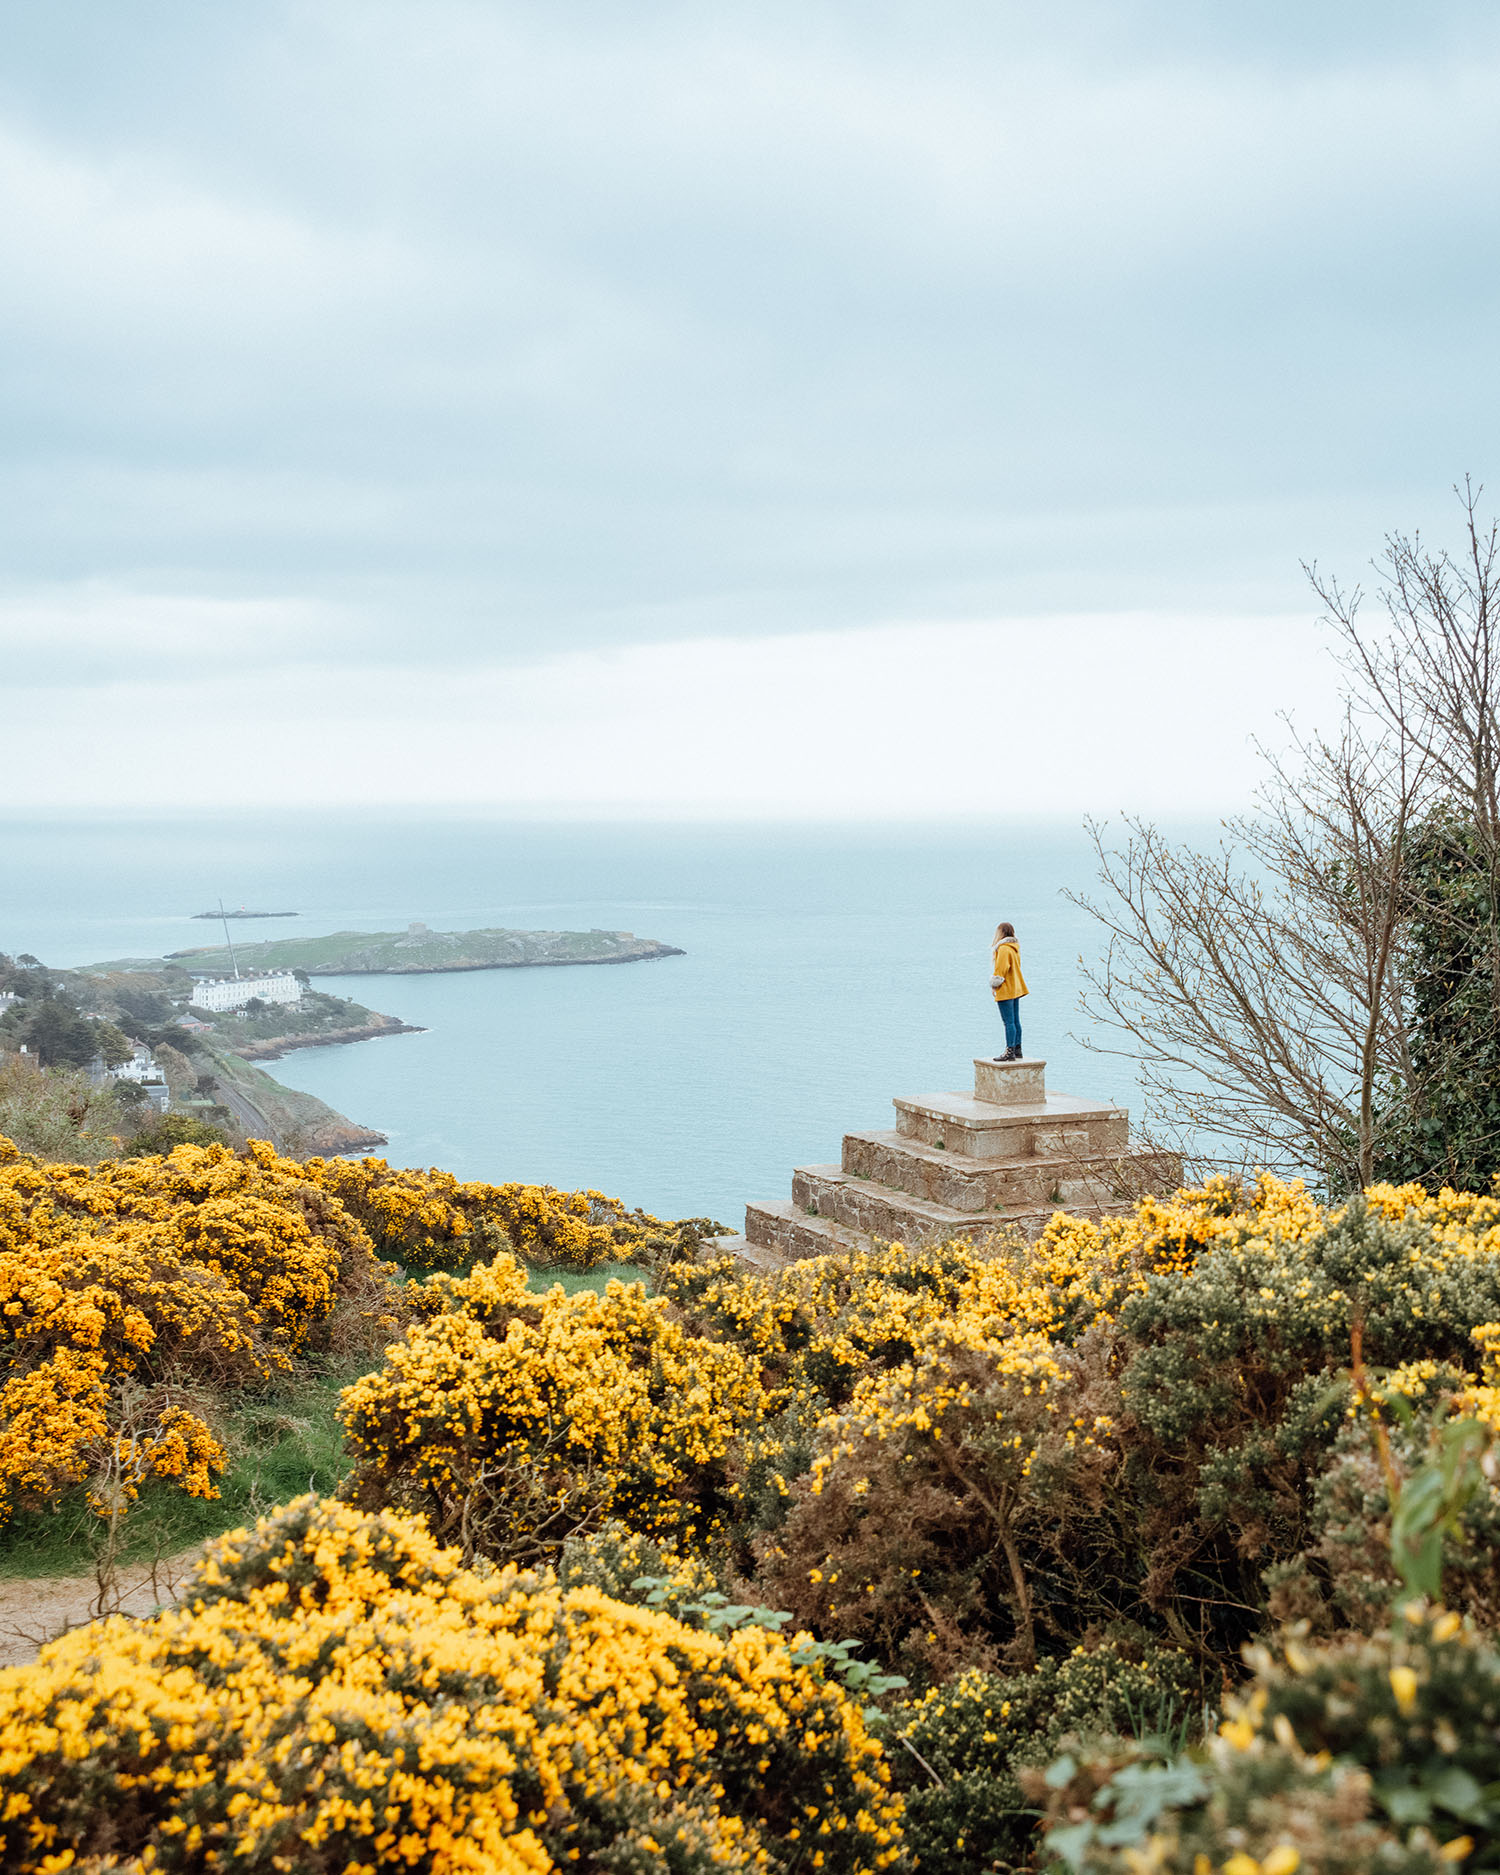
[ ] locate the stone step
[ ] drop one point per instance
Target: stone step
(970, 1185)
(753, 1256)
(784, 1229)
(1060, 1126)
(858, 1204)
(876, 1211)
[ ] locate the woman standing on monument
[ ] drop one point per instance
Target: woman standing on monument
(1009, 987)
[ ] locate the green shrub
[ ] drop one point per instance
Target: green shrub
(629, 1567)
(956, 1752)
(58, 1115)
(1376, 1752)
(173, 1129)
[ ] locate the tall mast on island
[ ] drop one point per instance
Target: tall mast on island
(233, 960)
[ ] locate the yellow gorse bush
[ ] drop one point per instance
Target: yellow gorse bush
(53, 1419)
(254, 1218)
(517, 1420)
(338, 1693)
(427, 1219)
(819, 1324)
(930, 1394)
(203, 1269)
(976, 1399)
(432, 1220)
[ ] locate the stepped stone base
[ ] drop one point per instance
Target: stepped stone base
(959, 1165)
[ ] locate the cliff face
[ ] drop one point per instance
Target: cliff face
(272, 1048)
(297, 1123)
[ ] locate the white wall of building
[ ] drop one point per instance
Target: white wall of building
(234, 992)
(140, 1067)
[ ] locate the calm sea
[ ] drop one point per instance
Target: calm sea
(826, 970)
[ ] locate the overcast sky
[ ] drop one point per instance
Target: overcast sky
(700, 407)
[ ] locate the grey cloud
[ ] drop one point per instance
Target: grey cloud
(477, 330)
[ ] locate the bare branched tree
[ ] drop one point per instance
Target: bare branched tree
(1258, 985)
(1268, 990)
(1431, 672)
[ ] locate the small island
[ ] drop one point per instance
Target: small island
(416, 951)
(242, 913)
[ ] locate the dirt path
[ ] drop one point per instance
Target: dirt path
(34, 1609)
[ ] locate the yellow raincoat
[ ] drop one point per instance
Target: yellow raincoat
(1007, 967)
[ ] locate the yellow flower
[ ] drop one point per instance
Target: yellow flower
(434, 1702)
(1404, 1686)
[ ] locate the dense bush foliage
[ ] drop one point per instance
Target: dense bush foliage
(1059, 1485)
(1127, 1423)
(337, 1693)
(974, 1738)
(133, 1291)
(159, 1136)
(1444, 1127)
(1372, 1753)
(433, 1221)
(515, 1421)
(59, 1115)
(1054, 1489)
(141, 1294)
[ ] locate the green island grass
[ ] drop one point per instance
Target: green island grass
(281, 1442)
(539, 1281)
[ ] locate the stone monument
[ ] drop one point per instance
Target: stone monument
(962, 1165)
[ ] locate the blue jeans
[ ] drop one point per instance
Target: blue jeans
(1010, 1014)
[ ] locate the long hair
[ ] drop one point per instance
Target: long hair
(1002, 932)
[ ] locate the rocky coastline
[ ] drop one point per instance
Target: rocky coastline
(272, 1048)
(338, 1141)
(295, 1122)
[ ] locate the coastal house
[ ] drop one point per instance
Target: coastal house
(140, 1068)
(224, 993)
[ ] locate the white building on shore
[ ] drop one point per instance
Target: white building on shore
(140, 1068)
(234, 992)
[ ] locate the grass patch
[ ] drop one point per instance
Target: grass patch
(571, 1281)
(281, 1443)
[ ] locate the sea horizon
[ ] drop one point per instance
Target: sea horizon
(828, 967)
